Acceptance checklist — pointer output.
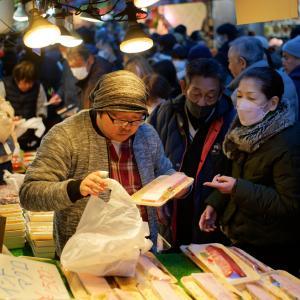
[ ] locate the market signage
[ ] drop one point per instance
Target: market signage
(252, 11)
(22, 278)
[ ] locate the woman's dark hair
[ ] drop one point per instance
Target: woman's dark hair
(157, 86)
(271, 82)
(24, 70)
(166, 69)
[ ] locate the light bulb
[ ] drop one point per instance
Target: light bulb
(144, 3)
(136, 45)
(20, 14)
(69, 41)
(40, 32)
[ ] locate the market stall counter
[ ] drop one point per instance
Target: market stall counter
(207, 271)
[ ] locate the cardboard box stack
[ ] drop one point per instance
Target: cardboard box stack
(39, 231)
(10, 208)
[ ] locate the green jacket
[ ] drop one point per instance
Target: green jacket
(264, 209)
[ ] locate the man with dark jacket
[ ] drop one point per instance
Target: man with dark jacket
(192, 128)
(87, 69)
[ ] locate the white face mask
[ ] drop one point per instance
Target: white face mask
(249, 112)
(80, 72)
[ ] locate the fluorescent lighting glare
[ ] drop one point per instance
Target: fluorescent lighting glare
(144, 3)
(20, 14)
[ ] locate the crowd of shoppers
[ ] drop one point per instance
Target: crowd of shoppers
(226, 117)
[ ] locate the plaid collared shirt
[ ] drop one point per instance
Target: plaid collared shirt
(123, 168)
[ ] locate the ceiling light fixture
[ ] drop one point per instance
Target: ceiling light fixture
(144, 3)
(40, 32)
(135, 40)
(69, 38)
(20, 14)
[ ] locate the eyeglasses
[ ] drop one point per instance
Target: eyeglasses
(123, 123)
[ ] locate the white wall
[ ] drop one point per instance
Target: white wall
(6, 14)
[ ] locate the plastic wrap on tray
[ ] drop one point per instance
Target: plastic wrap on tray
(285, 282)
(162, 189)
(95, 285)
(153, 269)
(166, 291)
(217, 259)
(206, 286)
(273, 285)
(251, 261)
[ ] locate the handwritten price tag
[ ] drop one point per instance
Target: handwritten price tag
(21, 278)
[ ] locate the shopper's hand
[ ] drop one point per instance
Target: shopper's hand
(208, 219)
(92, 184)
(224, 184)
(55, 100)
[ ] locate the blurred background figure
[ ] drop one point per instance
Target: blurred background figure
(28, 98)
(226, 33)
(8, 141)
(165, 44)
(138, 65)
(167, 69)
(87, 69)
(199, 51)
(158, 90)
(291, 61)
(108, 47)
(179, 55)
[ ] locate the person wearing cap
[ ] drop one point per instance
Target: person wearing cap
(111, 136)
(291, 61)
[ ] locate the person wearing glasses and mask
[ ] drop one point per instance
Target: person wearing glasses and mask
(258, 202)
(192, 128)
(111, 136)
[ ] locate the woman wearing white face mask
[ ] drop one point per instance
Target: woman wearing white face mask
(259, 204)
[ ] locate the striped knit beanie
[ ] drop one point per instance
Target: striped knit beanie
(119, 91)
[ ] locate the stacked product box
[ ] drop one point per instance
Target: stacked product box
(39, 231)
(10, 208)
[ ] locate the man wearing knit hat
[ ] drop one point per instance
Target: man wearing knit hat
(291, 61)
(110, 137)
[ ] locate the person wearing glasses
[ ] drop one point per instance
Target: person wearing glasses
(111, 136)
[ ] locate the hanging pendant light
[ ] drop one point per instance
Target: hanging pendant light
(69, 38)
(144, 3)
(40, 32)
(20, 14)
(136, 40)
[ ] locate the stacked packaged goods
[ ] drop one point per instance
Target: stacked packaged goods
(10, 208)
(39, 230)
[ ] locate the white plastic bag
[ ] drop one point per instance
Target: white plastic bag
(109, 236)
(32, 123)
